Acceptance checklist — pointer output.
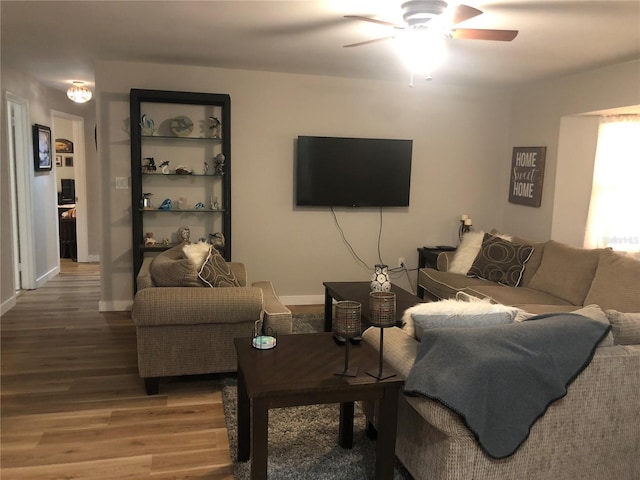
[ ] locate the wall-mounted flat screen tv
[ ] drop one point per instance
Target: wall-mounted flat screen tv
(353, 172)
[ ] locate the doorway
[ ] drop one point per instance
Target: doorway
(18, 136)
(73, 167)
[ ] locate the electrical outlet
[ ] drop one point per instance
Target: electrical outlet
(401, 262)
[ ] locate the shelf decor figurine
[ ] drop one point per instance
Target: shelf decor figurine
(218, 164)
(147, 125)
(164, 166)
(380, 282)
(146, 201)
(166, 204)
(150, 166)
(382, 314)
(347, 324)
(184, 234)
(149, 241)
(214, 126)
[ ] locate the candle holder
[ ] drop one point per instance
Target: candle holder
(347, 324)
(465, 226)
(382, 314)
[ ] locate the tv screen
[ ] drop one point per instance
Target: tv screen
(353, 172)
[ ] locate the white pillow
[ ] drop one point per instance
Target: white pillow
(455, 313)
(466, 253)
(197, 253)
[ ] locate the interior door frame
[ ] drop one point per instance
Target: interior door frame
(21, 171)
(80, 176)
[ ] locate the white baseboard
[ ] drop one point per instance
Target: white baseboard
(302, 299)
(40, 281)
(115, 305)
(90, 259)
(8, 305)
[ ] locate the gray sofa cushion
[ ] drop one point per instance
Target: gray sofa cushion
(614, 271)
(625, 327)
(566, 272)
(514, 295)
(446, 284)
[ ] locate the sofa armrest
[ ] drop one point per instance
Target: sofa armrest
(444, 260)
(193, 305)
(277, 316)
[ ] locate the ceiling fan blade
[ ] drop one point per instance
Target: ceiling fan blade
(375, 40)
(464, 12)
(373, 20)
(484, 34)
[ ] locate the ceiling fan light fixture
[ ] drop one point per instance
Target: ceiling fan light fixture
(422, 49)
(79, 92)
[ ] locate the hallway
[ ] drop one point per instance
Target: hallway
(73, 405)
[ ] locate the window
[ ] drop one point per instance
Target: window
(614, 211)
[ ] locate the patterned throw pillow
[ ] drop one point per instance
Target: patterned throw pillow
(215, 272)
(500, 261)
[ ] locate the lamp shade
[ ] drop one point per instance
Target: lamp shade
(347, 321)
(382, 309)
(79, 92)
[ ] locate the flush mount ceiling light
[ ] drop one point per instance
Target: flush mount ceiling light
(79, 92)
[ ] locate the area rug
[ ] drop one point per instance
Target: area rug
(303, 441)
(303, 444)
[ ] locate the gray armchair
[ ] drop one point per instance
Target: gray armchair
(190, 330)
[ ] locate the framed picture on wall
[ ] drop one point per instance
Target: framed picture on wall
(527, 175)
(58, 160)
(68, 161)
(43, 158)
(64, 146)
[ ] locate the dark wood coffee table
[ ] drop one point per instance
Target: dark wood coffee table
(300, 370)
(359, 292)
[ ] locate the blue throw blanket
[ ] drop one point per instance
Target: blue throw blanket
(502, 378)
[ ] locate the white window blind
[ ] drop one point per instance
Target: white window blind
(614, 211)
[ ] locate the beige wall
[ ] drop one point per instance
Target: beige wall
(460, 142)
(63, 128)
(535, 120)
(42, 100)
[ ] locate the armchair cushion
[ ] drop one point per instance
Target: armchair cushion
(172, 269)
(216, 272)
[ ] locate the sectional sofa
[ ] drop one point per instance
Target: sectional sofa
(590, 433)
(556, 277)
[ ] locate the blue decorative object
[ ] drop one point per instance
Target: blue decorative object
(166, 204)
(199, 206)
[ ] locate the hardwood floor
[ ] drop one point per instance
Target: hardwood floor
(73, 406)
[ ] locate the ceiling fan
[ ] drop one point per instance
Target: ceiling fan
(436, 15)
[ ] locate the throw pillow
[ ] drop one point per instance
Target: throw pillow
(616, 283)
(625, 327)
(455, 314)
(197, 253)
(215, 271)
(566, 272)
(466, 253)
(500, 261)
(171, 269)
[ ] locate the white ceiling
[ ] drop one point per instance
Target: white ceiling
(58, 41)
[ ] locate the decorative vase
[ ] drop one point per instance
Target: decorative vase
(380, 281)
